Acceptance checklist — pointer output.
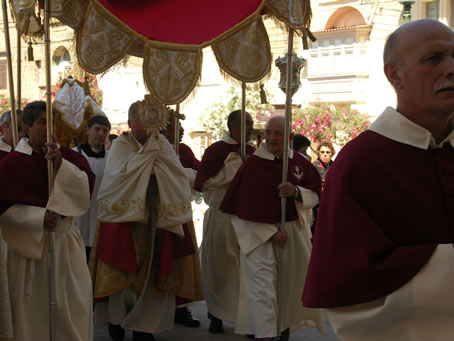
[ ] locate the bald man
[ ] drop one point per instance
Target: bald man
(383, 259)
(254, 201)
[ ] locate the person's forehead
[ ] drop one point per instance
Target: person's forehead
(42, 115)
(275, 125)
(425, 38)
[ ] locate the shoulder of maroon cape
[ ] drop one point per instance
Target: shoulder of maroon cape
(24, 177)
(213, 161)
(385, 207)
(253, 193)
(3, 154)
(187, 157)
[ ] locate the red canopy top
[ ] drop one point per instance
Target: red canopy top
(192, 22)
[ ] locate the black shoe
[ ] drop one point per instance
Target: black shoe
(184, 316)
(141, 336)
(116, 332)
(250, 336)
(216, 325)
(285, 335)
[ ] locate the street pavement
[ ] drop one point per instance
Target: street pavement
(180, 333)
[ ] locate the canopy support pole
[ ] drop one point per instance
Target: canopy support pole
(243, 120)
(288, 119)
(50, 168)
(19, 68)
(10, 73)
(176, 140)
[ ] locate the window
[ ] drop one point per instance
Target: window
(433, 9)
(3, 75)
(451, 17)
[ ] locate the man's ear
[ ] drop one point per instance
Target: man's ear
(391, 72)
(26, 129)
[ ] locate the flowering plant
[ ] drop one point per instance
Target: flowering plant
(5, 104)
(321, 121)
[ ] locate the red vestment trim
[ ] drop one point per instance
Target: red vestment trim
(116, 246)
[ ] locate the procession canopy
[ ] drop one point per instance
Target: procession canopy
(170, 36)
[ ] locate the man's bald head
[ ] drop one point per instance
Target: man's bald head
(405, 36)
(277, 121)
(419, 64)
(274, 135)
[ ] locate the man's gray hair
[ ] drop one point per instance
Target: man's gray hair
(133, 109)
(6, 117)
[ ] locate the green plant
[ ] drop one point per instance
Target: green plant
(214, 118)
(322, 121)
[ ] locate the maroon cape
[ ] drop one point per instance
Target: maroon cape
(187, 157)
(253, 193)
(24, 177)
(3, 154)
(213, 161)
(385, 207)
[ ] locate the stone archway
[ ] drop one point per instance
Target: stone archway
(345, 17)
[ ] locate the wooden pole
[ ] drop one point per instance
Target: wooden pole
(50, 168)
(19, 67)
(10, 73)
(288, 119)
(176, 121)
(243, 120)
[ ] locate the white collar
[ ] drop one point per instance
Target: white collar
(5, 146)
(228, 139)
(24, 147)
(264, 153)
(397, 127)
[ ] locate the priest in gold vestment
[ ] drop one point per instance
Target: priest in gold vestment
(143, 254)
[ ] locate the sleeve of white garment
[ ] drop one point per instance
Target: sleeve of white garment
(71, 193)
(191, 174)
(225, 176)
(309, 197)
(251, 234)
(304, 208)
(22, 229)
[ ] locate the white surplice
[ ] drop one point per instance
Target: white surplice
(6, 325)
(87, 222)
(28, 263)
(220, 258)
(258, 304)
